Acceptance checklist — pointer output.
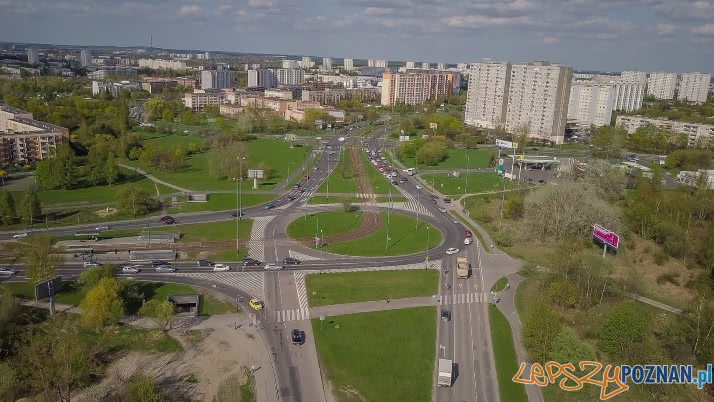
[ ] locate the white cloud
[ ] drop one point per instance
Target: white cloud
(378, 11)
(502, 6)
(262, 3)
(478, 21)
(707, 29)
(687, 9)
(665, 29)
(549, 40)
(190, 10)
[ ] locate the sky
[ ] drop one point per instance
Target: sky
(604, 35)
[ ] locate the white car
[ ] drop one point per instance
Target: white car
(20, 235)
(7, 271)
(131, 269)
(273, 267)
(468, 241)
(452, 250)
(221, 267)
(102, 228)
(341, 139)
(418, 187)
(442, 210)
(90, 264)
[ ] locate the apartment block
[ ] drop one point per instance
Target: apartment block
(348, 64)
(25, 140)
(377, 63)
(662, 85)
(634, 77)
(33, 55)
(289, 76)
(114, 88)
(216, 79)
(111, 72)
(441, 66)
(416, 87)
(200, 98)
(307, 62)
(697, 134)
(487, 95)
(291, 64)
(591, 103)
(332, 96)
(327, 63)
(694, 87)
(425, 65)
(85, 58)
(159, 64)
(538, 100)
(278, 93)
(261, 78)
(411, 64)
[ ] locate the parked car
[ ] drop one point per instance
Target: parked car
(256, 304)
(270, 206)
(298, 337)
(235, 214)
(20, 235)
(130, 269)
(102, 228)
(165, 268)
(221, 267)
(452, 250)
(272, 267)
(468, 241)
(445, 315)
(442, 210)
(204, 263)
(291, 261)
(5, 271)
(90, 264)
(250, 261)
(447, 200)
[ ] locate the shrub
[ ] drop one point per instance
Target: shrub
(503, 240)
(625, 325)
(659, 257)
(669, 277)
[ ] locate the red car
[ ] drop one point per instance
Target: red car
(468, 233)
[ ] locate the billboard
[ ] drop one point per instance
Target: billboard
(606, 236)
(255, 174)
(504, 144)
(42, 289)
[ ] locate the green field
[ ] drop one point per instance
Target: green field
(405, 239)
(211, 231)
(456, 159)
(222, 202)
(327, 223)
(477, 183)
(352, 287)
(505, 357)
(338, 183)
(381, 356)
(277, 154)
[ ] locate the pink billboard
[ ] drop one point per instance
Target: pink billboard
(606, 236)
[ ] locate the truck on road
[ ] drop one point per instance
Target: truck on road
(446, 369)
(462, 267)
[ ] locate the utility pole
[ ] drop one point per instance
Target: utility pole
(503, 200)
(389, 207)
(239, 213)
(467, 174)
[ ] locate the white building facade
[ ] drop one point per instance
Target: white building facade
(694, 87)
(590, 103)
(85, 58)
(662, 85)
(216, 79)
(636, 77)
(487, 95)
(698, 135)
(33, 55)
(348, 64)
(289, 76)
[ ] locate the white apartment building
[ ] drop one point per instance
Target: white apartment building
(538, 100)
(307, 62)
(33, 55)
(348, 64)
(200, 98)
(261, 78)
(441, 66)
(160, 64)
(628, 96)
(377, 63)
(278, 93)
(425, 65)
(289, 76)
(591, 103)
(216, 79)
(694, 87)
(697, 134)
(411, 64)
(85, 58)
(662, 85)
(487, 95)
(291, 64)
(327, 63)
(635, 77)
(417, 86)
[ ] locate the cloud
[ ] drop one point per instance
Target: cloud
(686, 9)
(321, 22)
(480, 21)
(190, 10)
(549, 40)
(501, 6)
(707, 29)
(378, 11)
(665, 29)
(262, 3)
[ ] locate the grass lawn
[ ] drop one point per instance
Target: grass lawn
(277, 154)
(405, 239)
(222, 202)
(477, 182)
(456, 159)
(351, 287)
(338, 183)
(505, 357)
(227, 254)
(500, 284)
(211, 231)
(24, 290)
(381, 356)
(329, 223)
(128, 338)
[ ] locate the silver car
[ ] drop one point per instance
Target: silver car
(273, 267)
(131, 269)
(4, 271)
(165, 268)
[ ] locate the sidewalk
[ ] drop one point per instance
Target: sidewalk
(371, 306)
(154, 179)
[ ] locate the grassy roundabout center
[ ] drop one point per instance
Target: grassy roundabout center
(330, 223)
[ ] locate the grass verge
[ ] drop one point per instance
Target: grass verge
(475, 231)
(325, 223)
(211, 231)
(505, 357)
(222, 202)
(477, 182)
(500, 284)
(341, 179)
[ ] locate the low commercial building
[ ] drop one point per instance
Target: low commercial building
(200, 98)
(697, 134)
(105, 73)
(113, 88)
(154, 85)
(25, 140)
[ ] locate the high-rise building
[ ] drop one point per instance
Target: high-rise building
(216, 79)
(24, 140)
(628, 96)
(416, 87)
(694, 87)
(662, 85)
(425, 65)
(441, 66)
(487, 96)
(377, 63)
(348, 64)
(411, 64)
(33, 56)
(261, 78)
(306, 62)
(591, 103)
(638, 77)
(327, 63)
(538, 100)
(85, 58)
(289, 76)
(291, 64)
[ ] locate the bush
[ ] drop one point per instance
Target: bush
(669, 277)
(660, 257)
(568, 348)
(513, 208)
(541, 327)
(625, 325)
(483, 216)
(143, 388)
(563, 293)
(503, 240)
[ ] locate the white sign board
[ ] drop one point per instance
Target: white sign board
(433, 126)
(504, 144)
(404, 138)
(255, 174)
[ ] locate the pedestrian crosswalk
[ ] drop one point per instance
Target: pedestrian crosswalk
(303, 257)
(463, 298)
(297, 314)
(256, 244)
(414, 205)
(248, 282)
(301, 290)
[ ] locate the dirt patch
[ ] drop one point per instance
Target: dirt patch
(106, 212)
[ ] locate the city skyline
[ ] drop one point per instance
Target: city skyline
(612, 35)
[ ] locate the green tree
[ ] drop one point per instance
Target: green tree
(111, 171)
(102, 306)
(540, 329)
(90, 277)
(223, 159)
(625, 325)
(162, 312)
(608, 141)
(346, 204)
(407, 127)
(699, 321)
(135, 200)
(64, 164)
(432, 153)
(40, 258)
(8, 214)
(568, 348)
(371, 115)
(514, 207)
(563, 293)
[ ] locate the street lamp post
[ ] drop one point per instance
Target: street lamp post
(389, 205)
(239, 213)
(427, 247)
(467, 174)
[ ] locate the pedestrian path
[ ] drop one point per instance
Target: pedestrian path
(463, 298)
(256, 244)
(301, 290)
(248, 282)
(419, 265)
(154, 179)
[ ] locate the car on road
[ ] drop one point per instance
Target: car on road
(20, 235)
(102, 228)
(131, 269)
(403, 180)
(467, 233)
(395, 182)
(90, 264)
(442, 210)
(452, 250)
(291, 261)
(256, 304)
(166, 218)
(447, 200)
(156, 263)
(221, 267)
(165, 268)
(445, 315)
(468, 241)
(270, 206)
(235, 214)
(169, 221)
(297, 336)
(250, 262)
(291, 198)
(204, 263)
(5, 271)
(418, 187)
(271, 266)
(541, 181)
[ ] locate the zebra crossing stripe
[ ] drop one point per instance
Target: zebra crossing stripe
(301, 290)
(300, 314)
(256, 244)
(462, 298)
(249, 282)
